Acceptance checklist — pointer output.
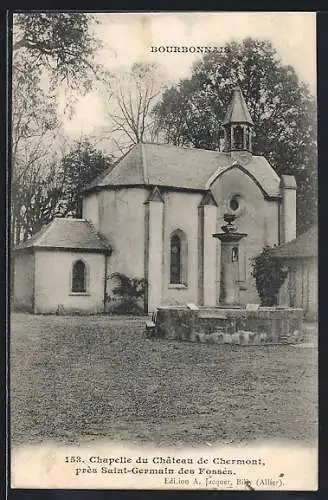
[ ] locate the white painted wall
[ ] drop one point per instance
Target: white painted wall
(122, 219)
(271, 222)
(53, 274)
(23, 280)
(207, 258)
(181, 212)
(257, 217)
(288, 215)
(122, 222)
(90, 209)
(155, 254)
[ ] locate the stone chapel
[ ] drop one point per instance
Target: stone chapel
(153, 216)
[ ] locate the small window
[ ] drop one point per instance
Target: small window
(178, 258)
(234, 204)
(79, 277)
(234, 256)
(175, 259)
(248, 139)
(238, 137)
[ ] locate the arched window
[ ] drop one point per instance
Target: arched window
(178, 258)
(247, 139)
(79, 277)
(238, 137)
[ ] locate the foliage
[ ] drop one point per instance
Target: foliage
(33, 157)
(283, 110)
(42, 192)
(59, 43)
(50, 50)
(269, 275)
(130, 291)
(80, 166)
(39, 199)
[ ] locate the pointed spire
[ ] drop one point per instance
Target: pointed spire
(237, 111)
(237, 124)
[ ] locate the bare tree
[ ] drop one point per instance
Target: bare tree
(52, 52)
(128, 107)
(40, 199)
(34, 124)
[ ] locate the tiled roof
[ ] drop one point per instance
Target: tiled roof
(67, 233)
(237, 111)
(305, 245)
(189, 168)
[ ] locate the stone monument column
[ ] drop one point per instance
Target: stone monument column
(230, 239)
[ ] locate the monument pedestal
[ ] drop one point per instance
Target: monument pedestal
(230, 239)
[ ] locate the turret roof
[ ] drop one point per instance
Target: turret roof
(237, 111)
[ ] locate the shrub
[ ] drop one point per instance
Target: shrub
(269, 275)
(130, 291)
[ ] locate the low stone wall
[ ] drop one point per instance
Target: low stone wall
(230, 326)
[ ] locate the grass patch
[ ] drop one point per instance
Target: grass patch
(79, 378)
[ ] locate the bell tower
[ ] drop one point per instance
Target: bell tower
(238, 124)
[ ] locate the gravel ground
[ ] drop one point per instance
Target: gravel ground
(88, 377)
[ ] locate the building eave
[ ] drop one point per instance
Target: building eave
(116, 187)
(71, 249)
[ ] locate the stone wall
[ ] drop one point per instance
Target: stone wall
(231, 326)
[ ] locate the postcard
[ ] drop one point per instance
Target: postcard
(164, 275)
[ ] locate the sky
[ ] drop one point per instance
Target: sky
(128, 37)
